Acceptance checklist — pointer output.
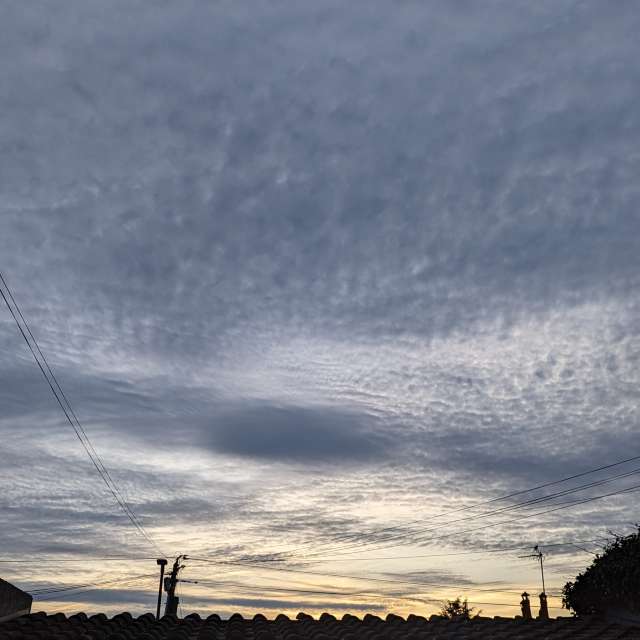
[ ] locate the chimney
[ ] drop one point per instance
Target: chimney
(525, 606)
(544, 611)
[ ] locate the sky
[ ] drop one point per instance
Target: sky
(312, 275)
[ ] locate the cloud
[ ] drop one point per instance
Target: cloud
(313, 434)
(312, 270)
(109, 596)
(424, 208)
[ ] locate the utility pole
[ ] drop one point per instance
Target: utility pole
(170, 584)
(162, 563)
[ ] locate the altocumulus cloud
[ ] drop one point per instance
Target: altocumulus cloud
(303, 264)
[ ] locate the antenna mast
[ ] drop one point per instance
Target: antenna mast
(538, 555)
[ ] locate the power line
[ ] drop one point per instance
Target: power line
(352, 577)
(539, 513)
(384, 544)
(148, 603)
(273, 592)
(292, 570)
(276, 589)
(557, 508)
(454, 553)
(43, 590)
(84, 439)
(52, 561)
(523, 517)
(580, 548)
(509, 508)
(36, 593)
(79, 593)
(351, 536)
(77, 426)
(522, 547)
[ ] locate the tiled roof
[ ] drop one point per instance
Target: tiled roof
(40, 626)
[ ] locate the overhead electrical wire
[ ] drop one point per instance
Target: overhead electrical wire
(513, 520)
(148, 603)
(55, 597)
(52, 560)
(356, 535)
(273, 592)
(564, 505)
(78, 428)
(42, 590)
(55, 591)
(255, 565)
(413, 532)
(352, 577)
(275, 589)
(446, 555)
(67, 409)
(580, 548)
(448, 535)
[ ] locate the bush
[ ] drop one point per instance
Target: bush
(458, 609)
(612, 582)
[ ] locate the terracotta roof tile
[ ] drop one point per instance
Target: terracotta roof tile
(125, 627)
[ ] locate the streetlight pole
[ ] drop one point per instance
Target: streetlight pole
(162, 562)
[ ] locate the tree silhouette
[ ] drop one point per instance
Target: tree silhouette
(612, 582)
(458, 609)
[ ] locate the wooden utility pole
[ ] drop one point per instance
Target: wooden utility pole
(170, 584)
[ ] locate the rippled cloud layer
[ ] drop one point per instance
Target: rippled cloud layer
(312, 275)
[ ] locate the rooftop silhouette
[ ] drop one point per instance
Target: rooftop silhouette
(125, 627)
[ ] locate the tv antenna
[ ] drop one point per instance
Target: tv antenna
(540, 557)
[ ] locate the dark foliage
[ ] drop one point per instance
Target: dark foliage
(458, 609)
(612, 582)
